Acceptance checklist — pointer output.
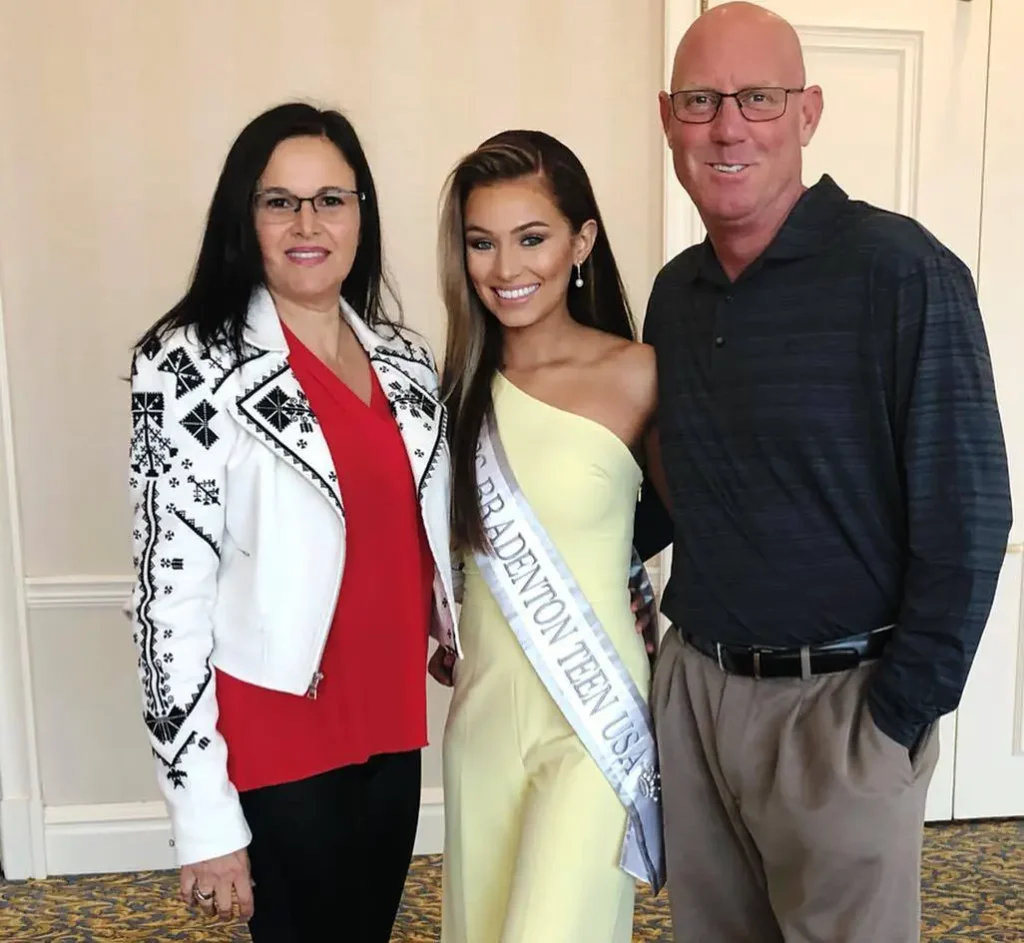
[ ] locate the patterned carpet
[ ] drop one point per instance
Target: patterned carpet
(973, 877)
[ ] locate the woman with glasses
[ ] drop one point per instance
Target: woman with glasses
(291, 545)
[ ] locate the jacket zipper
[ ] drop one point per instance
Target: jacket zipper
(318, 675)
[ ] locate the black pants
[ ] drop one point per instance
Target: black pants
(329, 854)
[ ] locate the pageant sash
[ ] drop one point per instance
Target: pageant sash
(571, 652)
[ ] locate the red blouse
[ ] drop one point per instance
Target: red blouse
(372, 696)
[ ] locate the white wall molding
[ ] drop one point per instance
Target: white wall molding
(22, 852)
(80, 591)
(681, 223)
(135, 836)
(85, 591)
(18, 818)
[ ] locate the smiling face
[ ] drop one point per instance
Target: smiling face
(520, 250)
(307, 255)
(740, 172)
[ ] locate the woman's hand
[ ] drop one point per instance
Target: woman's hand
(646, 620)
(215, 885)
(442, 665)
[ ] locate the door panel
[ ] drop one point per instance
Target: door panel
(990, 742)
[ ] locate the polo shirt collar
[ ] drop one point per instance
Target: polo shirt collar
(803, 234)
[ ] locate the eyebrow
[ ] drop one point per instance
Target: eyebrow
(530, 225)
(693, 87)
(324, 189)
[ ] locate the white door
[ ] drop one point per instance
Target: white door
(990, 730)
(904, 87)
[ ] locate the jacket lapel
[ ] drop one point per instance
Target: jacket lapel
(273, 407)
(277, 411)
(408, 379)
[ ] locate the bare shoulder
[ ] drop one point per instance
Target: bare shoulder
(631, 370)
(634, 365)
(636, 358)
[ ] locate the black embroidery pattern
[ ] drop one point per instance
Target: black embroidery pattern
(435, 452)
(281, 410)
(156, 689)
(187, 377)
(413, 399)
(151, 450)
(274, 408)
(163, 716)
(197, 423)
(217, 361)
(198, 531)
(205, 492)
(229, 368)
(166, 725)
(175, 773)
(151, 348)
(412, 353)
(408, 399)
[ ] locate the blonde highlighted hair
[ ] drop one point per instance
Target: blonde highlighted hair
(474, 340)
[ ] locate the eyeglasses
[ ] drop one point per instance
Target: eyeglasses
(279, 205)
(701, 105)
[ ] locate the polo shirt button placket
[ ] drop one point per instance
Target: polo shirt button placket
(720, 338)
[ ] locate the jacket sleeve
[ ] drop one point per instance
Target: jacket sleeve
(179, 447)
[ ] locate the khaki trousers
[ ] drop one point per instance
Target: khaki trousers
(789, 816)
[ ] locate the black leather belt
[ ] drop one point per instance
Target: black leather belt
(765, 662)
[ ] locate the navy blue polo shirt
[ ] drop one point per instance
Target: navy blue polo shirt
(833, 447)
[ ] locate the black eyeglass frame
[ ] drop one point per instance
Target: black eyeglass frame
(311, 200)
(722, 96)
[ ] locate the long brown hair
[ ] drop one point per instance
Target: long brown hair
(474, 341)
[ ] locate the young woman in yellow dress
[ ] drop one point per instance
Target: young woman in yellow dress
(544, 379)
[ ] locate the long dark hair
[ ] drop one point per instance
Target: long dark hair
(473, 348)
(230, 266)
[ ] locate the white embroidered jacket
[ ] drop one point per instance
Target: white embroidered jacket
(239, 541)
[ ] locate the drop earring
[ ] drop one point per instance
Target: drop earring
(579, 276)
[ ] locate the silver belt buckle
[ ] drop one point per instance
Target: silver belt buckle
(757, 663)
(718, 651)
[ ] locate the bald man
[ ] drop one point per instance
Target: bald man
(840, 508)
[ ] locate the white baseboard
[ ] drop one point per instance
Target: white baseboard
(111, 837)
(135, 836)
(16, 839)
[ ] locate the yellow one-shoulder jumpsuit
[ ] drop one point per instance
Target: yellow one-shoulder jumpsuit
(533, 831)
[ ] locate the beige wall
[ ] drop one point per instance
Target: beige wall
(115, 116)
